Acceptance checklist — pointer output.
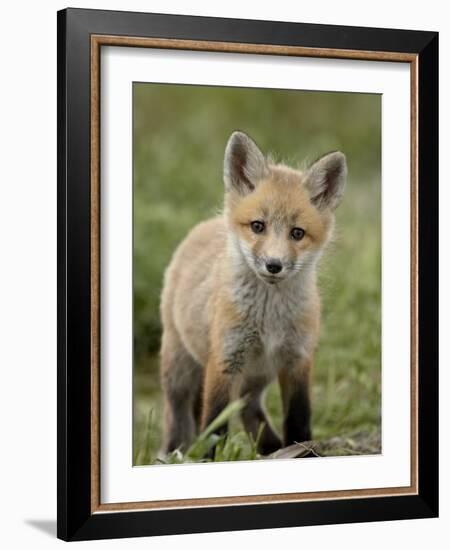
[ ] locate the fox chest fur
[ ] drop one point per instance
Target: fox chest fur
(274, 329)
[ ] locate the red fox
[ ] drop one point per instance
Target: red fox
(240, 304)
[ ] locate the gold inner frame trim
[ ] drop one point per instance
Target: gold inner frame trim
(97, 41)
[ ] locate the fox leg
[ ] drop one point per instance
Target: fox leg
(295, 394)
(181, 381)
(225, 362)
(253, 416)
(216, 394)
(231, 349)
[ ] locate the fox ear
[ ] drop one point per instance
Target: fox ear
(325, 180)
(244, 164)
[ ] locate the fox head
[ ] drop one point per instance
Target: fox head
(280, 219)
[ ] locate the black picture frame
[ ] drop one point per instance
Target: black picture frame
(76, 521)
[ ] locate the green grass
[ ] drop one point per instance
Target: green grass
(179, 137)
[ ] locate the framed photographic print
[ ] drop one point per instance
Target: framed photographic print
(247, 256)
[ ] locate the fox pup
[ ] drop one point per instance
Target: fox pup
(240, 304)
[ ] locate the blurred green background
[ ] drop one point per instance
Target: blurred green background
(179, 138)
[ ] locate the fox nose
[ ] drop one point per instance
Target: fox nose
(273, 266)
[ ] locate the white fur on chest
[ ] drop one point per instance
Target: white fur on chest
(274, 314)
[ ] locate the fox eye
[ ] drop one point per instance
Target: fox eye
(258, 226)
(297, 233)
